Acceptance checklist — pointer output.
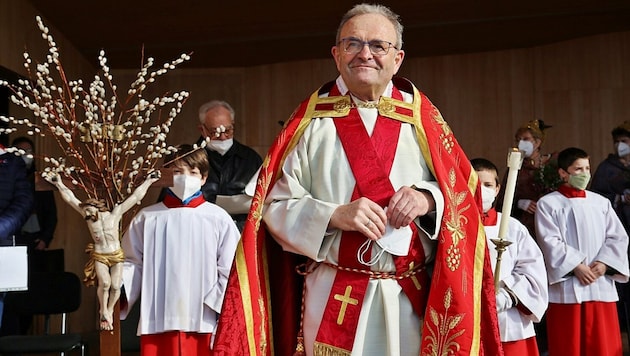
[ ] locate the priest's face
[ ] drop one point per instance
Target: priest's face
(367, 73)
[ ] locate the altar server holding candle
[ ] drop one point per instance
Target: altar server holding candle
(522, 292)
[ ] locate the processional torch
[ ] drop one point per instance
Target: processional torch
(514, 161)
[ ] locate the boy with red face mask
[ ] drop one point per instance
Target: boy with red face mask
(178, 257)
(585, 248)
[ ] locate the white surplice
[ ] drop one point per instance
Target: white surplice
(581, 230)
(178, 261)
(523, 272)
(316, 179)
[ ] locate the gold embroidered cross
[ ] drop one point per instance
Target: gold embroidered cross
(345, 300)
(415, 280)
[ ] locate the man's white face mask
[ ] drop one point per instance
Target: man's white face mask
(527, 147)
(28, 160)
(221, 146)
(488, 195)
(623, 149)
(185, 186)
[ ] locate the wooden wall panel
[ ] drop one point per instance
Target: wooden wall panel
(19, 31)
(581, 87)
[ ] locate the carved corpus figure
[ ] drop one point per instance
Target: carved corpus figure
(106, 256)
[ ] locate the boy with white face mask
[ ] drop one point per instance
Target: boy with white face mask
(522, 294)
(585, 248)
(178, 256)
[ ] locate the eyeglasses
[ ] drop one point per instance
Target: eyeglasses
(216, 132)
(353, 45)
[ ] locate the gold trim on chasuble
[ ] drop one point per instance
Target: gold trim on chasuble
(265, 179)
(440, 341)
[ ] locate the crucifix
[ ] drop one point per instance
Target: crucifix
(109, 308)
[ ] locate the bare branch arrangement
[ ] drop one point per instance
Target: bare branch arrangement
(107, 139)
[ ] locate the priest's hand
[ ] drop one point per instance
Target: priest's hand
(362, 215)
(407, 204)
(584, 274)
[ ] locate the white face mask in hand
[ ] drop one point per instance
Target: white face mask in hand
(184, 186)
(395, 242)
(221, 146)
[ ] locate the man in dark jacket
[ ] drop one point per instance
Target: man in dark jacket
(39, 229)
(16, 195)
(232, 164)
(16, 199)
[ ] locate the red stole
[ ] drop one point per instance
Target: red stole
(370, 160)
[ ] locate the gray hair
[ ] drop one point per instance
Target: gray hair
(362, 9)
(203, 109)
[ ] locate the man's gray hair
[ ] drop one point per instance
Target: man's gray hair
(362, 9)
(203, 109)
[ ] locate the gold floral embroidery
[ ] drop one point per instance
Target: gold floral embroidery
(453, 257)
(342, 105)
(441, 337)
(456, 220)
(257, 201)
(447, 142)
(437, 116)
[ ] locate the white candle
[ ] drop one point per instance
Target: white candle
(514, 164)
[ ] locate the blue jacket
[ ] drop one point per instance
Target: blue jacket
(16, 196)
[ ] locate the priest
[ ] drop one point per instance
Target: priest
(368, 193)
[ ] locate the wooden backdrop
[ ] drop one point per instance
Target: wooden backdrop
(581, 87)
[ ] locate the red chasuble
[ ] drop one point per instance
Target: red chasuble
(260, 315)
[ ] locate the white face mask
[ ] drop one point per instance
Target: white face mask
(527, 147)
(394, 241)
(221, 146)
(487, 197)
(28, 160)
(623, 149)
(184, 186)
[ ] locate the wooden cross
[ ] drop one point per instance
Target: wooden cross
(345, 300)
